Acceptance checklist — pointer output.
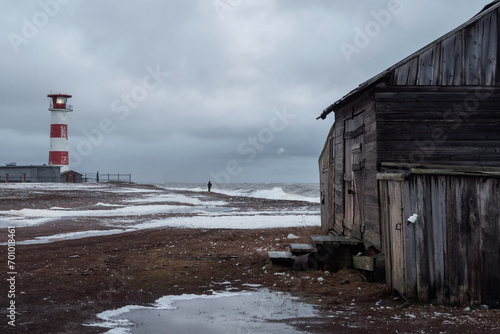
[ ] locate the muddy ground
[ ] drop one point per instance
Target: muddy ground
(61, 286)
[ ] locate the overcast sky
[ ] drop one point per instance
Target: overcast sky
(221, 90)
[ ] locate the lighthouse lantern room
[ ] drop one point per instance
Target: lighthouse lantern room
(59, 107)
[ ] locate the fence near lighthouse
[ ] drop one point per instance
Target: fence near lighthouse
(119, 177)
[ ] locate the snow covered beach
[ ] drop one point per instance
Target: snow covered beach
(111, 208)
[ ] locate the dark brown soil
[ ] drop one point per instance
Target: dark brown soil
(61, 286)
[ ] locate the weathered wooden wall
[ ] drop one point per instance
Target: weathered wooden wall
(364, 106)
(326, 180)
(466, 56)
(439, 125)
(451, 255)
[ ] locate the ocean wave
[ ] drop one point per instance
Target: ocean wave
(307, 192)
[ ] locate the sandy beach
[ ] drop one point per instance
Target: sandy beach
(81, 250)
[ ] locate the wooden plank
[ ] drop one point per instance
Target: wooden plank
(412, 94)
(426, 68)
(453, 260)
(386, 229)
(397, 233)
(459, 76)
(472, 222)
(420, 131)
(436, 64)
(451, 62)
(302, 248)
(363, 263)
(399, 165)
(390, 176)
(473, 34)
(335, 240)
(447, 152)
(401, 74)
(407, 73)
(410, 198)
(489, 197)
(428, 277)
(489, 48)
(421, 243)
(438, 191)
(462, 241)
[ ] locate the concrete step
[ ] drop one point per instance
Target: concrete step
(282, 258)
(336, 252)
(299, 249)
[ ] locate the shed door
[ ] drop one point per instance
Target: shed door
(353, 176)
(393, 232)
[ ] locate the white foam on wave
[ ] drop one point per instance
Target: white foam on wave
(177, 198)
(276, 193)
(244, 222)
(279, 193)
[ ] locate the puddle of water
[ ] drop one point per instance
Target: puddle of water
(260, 311)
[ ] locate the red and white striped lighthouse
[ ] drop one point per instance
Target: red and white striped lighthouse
(58, 155)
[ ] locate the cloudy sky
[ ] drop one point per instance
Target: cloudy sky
(221, 90)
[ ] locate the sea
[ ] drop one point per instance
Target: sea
(308, 192)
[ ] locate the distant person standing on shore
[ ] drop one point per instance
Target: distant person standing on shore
(209, 186)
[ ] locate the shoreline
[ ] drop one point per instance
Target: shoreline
(122, 207)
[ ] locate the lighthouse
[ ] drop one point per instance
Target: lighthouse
(59, 107)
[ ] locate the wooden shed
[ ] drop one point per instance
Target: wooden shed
(450, 254)
(71, 176)
(438, 107)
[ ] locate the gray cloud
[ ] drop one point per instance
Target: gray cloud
(229, 71)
